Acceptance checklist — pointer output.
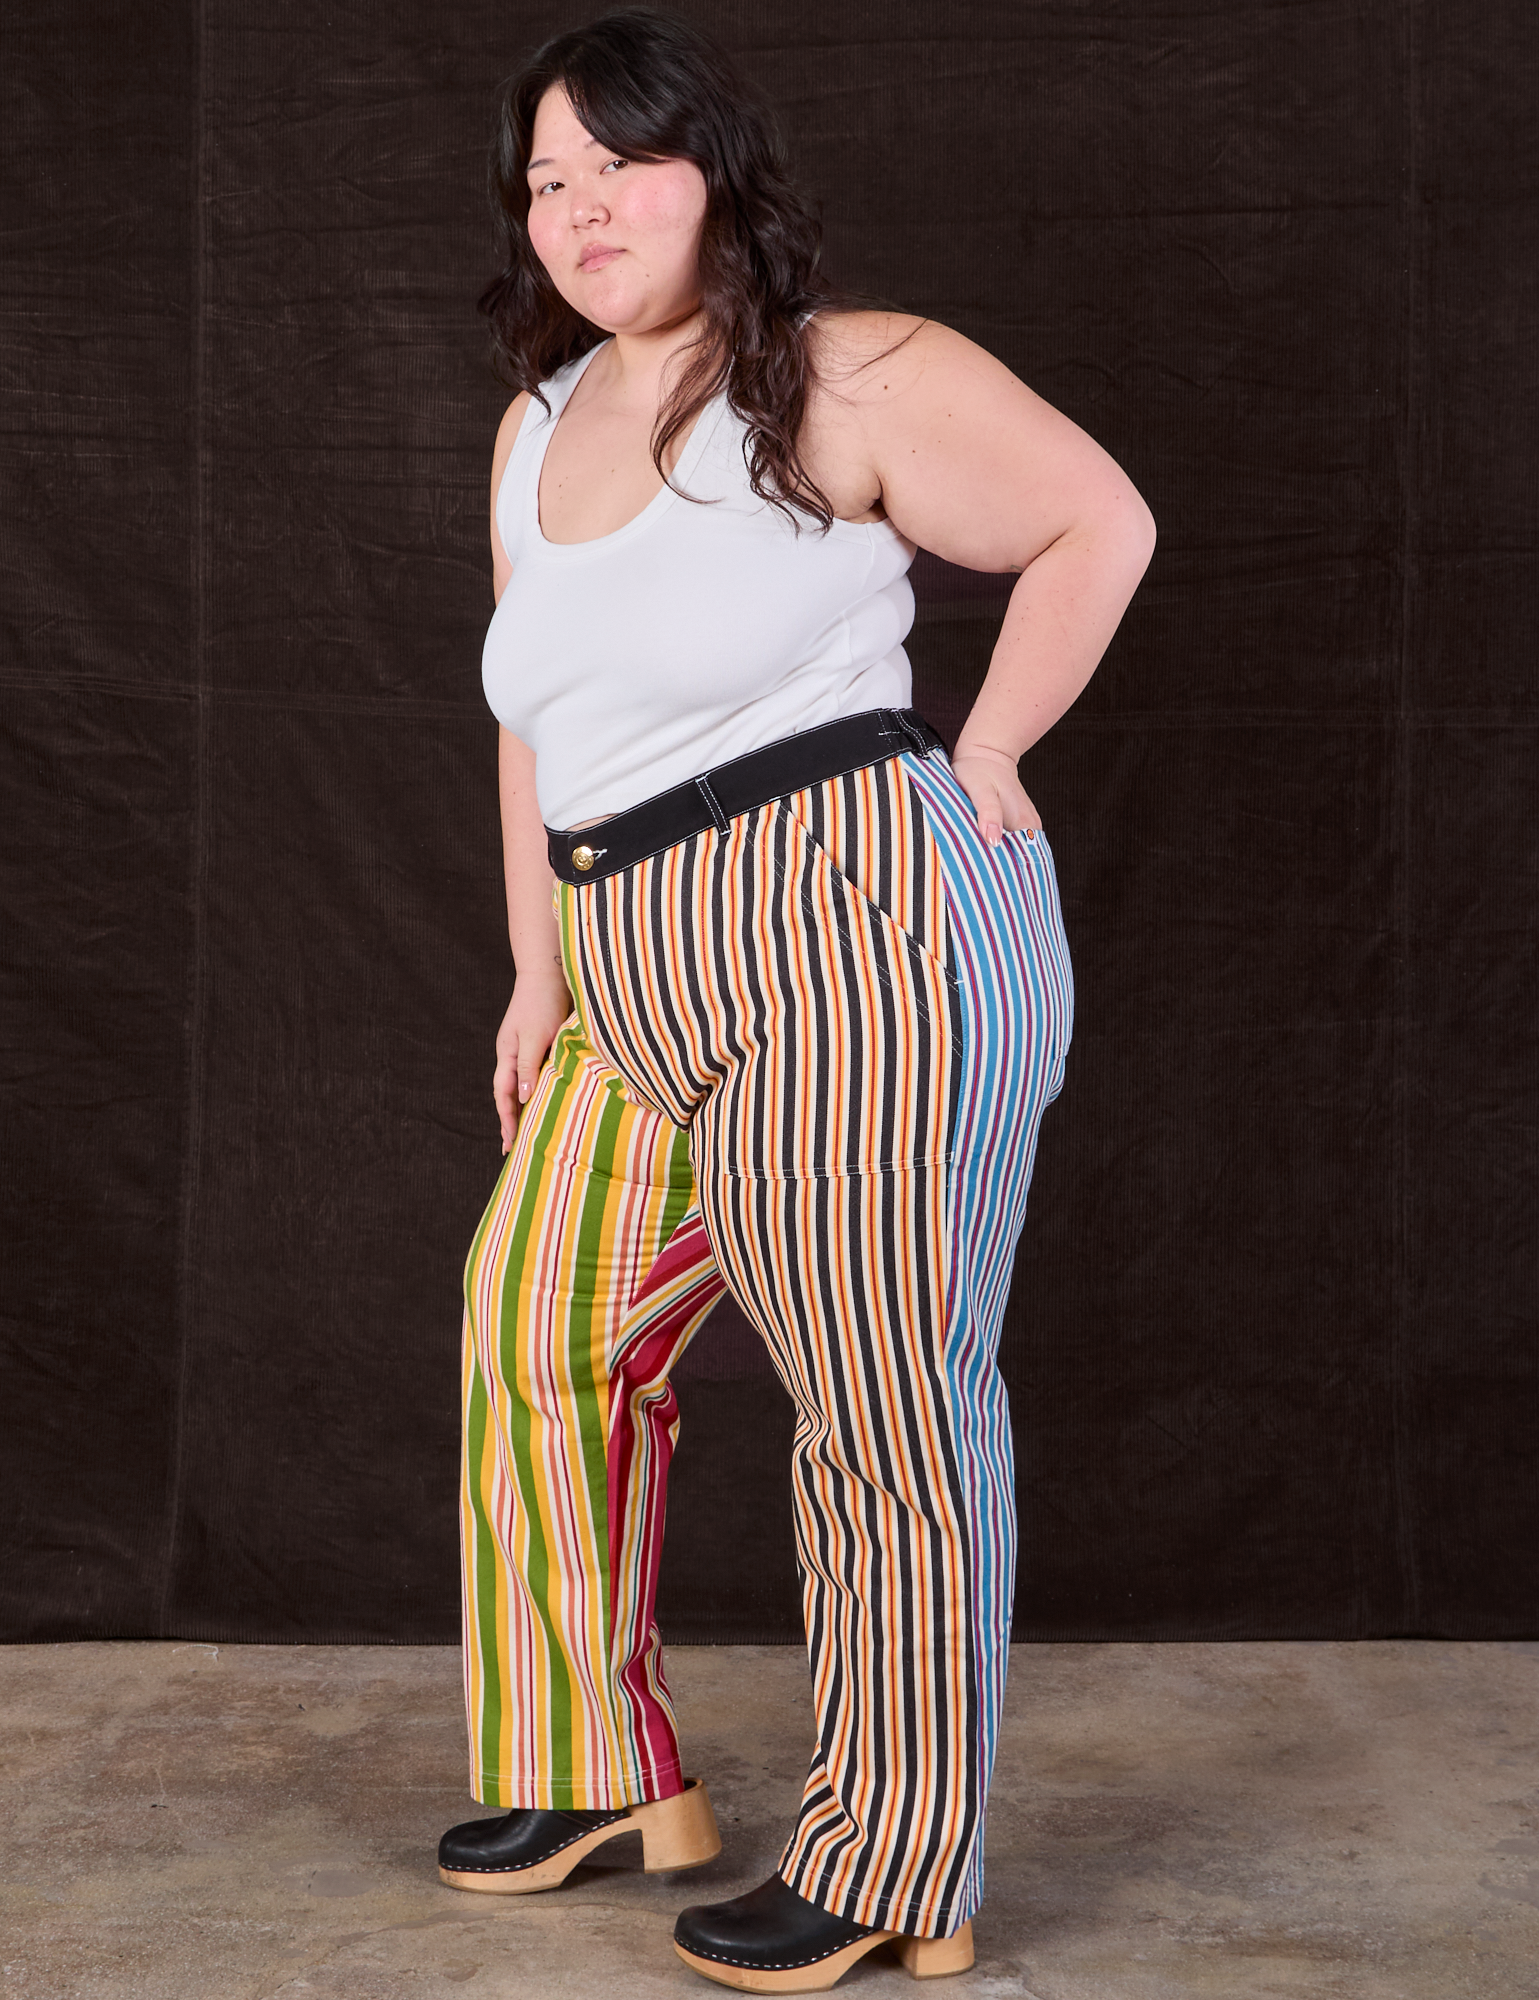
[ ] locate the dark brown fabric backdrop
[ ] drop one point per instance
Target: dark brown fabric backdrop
(1272, 1342)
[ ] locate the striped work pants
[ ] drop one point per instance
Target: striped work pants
(807, 1063)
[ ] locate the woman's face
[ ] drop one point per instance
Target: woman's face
(620, 241)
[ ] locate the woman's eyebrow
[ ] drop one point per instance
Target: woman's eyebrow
(549, 162)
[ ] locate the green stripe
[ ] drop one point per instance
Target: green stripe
(483, 1551)
(483, 1557)
(681, 1190)
(585, 1396)
(519, 1428)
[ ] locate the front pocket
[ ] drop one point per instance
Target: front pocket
(870, 828)
(874, 961)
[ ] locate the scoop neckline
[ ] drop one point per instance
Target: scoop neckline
(664, 497)
(661, 500)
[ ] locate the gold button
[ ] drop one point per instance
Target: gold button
(582, 859)
(1031, 833)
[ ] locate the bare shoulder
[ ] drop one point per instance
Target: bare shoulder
(869, 358)
(507, 432)
(502, 451)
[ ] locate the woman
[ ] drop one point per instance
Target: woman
(788, 1013)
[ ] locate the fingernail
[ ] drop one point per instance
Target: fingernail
(523, 1093)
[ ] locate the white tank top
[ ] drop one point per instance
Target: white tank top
(691, 635)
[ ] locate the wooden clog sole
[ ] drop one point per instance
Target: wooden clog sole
(922, 1958)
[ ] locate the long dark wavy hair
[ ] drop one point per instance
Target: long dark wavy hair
(650, 87)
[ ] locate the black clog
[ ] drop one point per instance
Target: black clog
(534, 1848)
(774, 1941)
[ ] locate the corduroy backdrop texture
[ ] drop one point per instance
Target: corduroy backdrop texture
(1272, 1344)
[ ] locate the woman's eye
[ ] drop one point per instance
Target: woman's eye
(546, 186)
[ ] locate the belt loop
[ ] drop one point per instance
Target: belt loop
(915, 736)
(712, 805)
(892, 727)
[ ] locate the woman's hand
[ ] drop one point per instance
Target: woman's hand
(991, 781)
(540, 1000)
(535, 1014)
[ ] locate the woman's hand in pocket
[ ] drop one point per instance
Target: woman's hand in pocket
(992, 782)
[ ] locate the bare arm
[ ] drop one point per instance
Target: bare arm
(541, 1001)
(976, 468)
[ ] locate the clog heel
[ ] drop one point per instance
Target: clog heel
(936, 1958)
(680, 1832)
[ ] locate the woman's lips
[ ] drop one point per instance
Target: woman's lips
(596, 259)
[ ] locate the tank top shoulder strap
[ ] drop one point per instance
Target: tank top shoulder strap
(560, 385)
(557, 390)
(528, 446)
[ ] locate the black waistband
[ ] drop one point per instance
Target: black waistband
(716, 797)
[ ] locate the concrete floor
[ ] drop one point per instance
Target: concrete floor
(241, 1822)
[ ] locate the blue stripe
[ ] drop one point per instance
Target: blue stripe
(1017, 995)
